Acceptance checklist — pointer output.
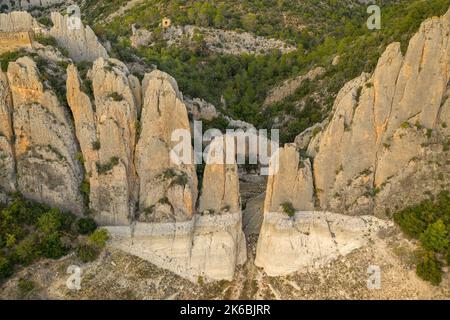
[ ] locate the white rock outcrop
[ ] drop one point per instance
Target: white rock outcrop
(168, 183)
(385, 122)
(18, 21)
(110, 158)
(208, 245)
(290, 181)
(79, 40)
(45, 144)
(310, 239)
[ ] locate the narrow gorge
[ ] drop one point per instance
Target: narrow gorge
(82, 133)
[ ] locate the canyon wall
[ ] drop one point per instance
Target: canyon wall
(385, 147)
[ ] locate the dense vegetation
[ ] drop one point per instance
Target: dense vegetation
(429, 222)
(30, 231)
(319, 29)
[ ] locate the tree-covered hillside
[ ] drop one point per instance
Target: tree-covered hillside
(320, 29)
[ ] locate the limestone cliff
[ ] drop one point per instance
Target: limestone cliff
(208, 245)
(388, 127)
(17, 21)
(384, 148)
(290, 181)
(7, 160)
(168, 184)
(106, 130)
(79, 40)
(45, 144)
(220, 191)
(30, 4)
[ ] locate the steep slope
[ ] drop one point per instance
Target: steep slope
(387, 127)
(45, 144)
(385, 147)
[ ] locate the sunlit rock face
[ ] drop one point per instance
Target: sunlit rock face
(168, 185)
(384, 146)
(80, 41)
(386, 128)
(45, 144)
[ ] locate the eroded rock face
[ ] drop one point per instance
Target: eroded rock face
(7, 161)
(290, 181)
(220, 188)
(45, 145)
(384, 122)
(106, 124)
(80, 41)
(30, 4)
(310, 239)
(17, 21)
(205, 246)
(289, 87)
(168, 184)
(388, 134)
(208, 245)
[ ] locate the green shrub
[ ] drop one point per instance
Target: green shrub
(87, 253)
(52, 246)
(429, 222)
(434, 237)
(96, 145)
(405, 125)
(105, 168)
(7, 57)
(429, 268)
(49, 222)
(99, 238)
(46, 21)
(116, 96)
(46, 40)
(180, 180)
(414, 220)
(6, 268)
(86, 226)
(25, 287)
(28, 250)
(288, 208)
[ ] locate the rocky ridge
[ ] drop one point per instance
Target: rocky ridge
(379, 142)
(113, 141)
(216, 40)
